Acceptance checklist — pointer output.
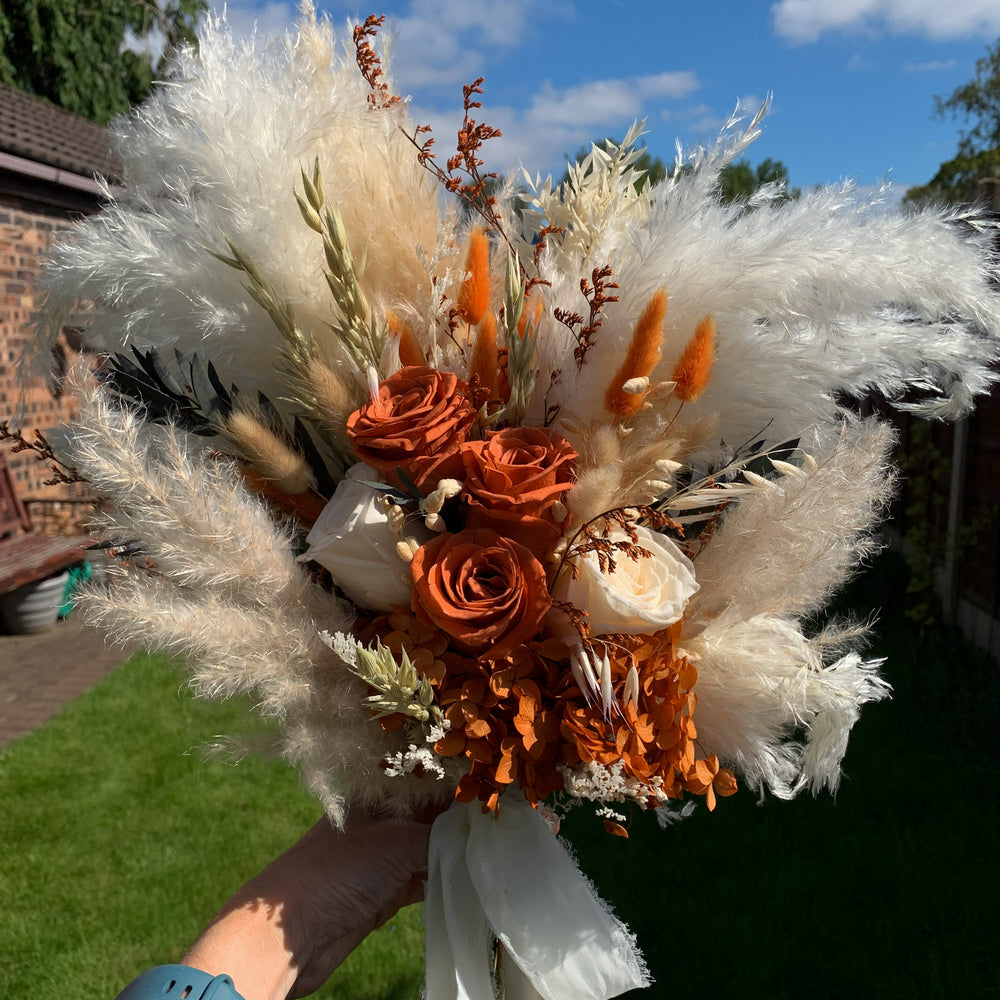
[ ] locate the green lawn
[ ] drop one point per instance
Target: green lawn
(118, 841)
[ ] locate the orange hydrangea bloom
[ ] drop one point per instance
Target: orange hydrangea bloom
(514, 720)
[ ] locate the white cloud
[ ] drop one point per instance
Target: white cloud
(806, 20)
(559, 121)
(152, 44)
(447, 42)
(270, 20)
(605, 102)
(929, 66)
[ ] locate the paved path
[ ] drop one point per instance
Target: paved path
(41, 673)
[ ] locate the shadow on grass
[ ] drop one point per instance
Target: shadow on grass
(890, 891)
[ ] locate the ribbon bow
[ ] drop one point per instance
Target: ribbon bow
(508, 877)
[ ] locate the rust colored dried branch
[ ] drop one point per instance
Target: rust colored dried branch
(578, 618)
(551, 409)
(461, 174)
(540, 245)
(594, 534)
(570, 320)
(370, 64)
(597, 296)
(61, 472)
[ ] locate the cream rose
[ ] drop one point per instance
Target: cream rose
(640, 597)
(353, 540)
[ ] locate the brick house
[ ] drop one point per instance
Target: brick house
(48, 159)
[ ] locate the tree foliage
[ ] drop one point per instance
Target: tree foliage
(737, 181)
(977, 103)
(95, 59)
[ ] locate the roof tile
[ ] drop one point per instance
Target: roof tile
(37, 130)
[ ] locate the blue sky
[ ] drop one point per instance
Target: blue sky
(853, 81)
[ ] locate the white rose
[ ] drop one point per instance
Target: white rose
(353, 540)
(640, 597)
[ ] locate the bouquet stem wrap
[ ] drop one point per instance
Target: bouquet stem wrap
(497, 875)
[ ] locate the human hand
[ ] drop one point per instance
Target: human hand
(287, 929)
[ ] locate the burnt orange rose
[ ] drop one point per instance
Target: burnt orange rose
(417, 424)
(486, 592)
(512, 481)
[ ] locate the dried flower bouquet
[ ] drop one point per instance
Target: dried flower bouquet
(505, 503)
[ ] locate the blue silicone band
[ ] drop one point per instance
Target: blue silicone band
(174, 982)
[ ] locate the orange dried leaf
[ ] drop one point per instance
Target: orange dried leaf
(615, 829)
(451, 744)
(477, 729)
(505, 772)
(725, 783)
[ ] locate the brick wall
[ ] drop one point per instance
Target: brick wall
(26, 229)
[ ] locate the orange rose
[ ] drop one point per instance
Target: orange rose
(417, 424)
(486, 592)
(512, 481)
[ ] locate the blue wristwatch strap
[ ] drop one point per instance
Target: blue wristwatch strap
(174, 982)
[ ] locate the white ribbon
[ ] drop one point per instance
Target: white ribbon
(507, 875)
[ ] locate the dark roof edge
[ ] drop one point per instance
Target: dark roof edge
(54, 175)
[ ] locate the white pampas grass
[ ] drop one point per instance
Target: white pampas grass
(769, 705)
(215, 153)
(830, 294)
(787, 545)
(768, 700)
(225, 591)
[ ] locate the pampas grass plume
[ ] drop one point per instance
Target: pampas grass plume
(640, 358)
